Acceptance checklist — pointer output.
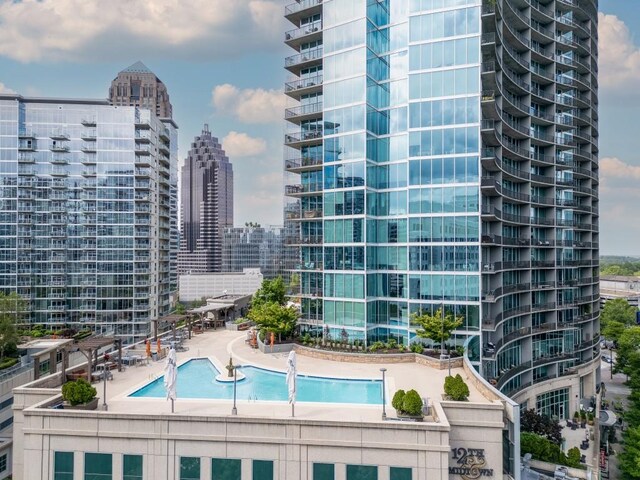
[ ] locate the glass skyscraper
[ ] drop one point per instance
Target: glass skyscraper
(88, 213)
(442, 154)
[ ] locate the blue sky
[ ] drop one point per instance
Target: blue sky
(222, 63)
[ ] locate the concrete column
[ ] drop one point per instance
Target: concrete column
(53, 361)
(36, 367)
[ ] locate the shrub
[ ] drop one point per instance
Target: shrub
(397, 400)
(78, 392)
(8, 362)
(392, 344)
(375, 346)
(455, 388)
(417, 348)
(412, 403)
(573, 457)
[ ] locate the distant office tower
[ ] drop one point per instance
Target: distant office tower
(207, 205)
(444, 155)
(137, 86)
(253, 247)
(88, 214)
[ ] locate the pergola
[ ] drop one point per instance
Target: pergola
(90, 347)
(172, 319)
(219, 310)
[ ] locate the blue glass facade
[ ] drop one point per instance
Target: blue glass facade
(449, 160)
(88, 209)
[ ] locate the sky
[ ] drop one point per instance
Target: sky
(222, 62)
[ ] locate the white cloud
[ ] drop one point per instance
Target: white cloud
(237, 144)
(249, 105)
(619, 57)
(5, 89)
(80, 30)
(265, 192)
(619, 197)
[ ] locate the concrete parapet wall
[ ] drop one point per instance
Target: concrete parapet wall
(354, 357)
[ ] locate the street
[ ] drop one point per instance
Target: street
(616, 390)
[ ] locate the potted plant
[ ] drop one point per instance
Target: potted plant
(455, 388)
(583, 419)
(408, 405)
(590, 418)
(80, 395)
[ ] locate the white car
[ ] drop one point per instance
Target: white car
(607, 359)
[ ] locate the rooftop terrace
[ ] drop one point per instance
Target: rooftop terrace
(219, 345)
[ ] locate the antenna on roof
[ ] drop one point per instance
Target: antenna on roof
(206, 128)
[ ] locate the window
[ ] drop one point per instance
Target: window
(362, 472)
(189, 468)
(63, 466)
(323, 471)
(262, 470)
(132, 467)
(97, 466)
(226, 469)
(3, 463)
(399, 473)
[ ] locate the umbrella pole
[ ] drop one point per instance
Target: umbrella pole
(172, 405)
(293, 408)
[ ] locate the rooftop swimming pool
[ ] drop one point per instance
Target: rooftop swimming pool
(196, 379)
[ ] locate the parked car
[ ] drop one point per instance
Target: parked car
(607, 359)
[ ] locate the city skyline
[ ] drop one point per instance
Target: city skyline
(245, 109)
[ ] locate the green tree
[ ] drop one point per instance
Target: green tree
(12, 307)
(616, 315)
(532, 422)
(275, 318)
(271, 291)
(630, 458)
(628, 354)
(437, 327)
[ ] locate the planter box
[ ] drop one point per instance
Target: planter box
(92, 405)
(277, 348)
(409, 418)
(236, 327)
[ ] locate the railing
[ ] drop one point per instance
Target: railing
(303, 57)
(308, 109)
(303, 83)
(303, 31)
(301, 5)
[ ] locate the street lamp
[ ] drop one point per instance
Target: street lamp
(384, 396)
(234, 410)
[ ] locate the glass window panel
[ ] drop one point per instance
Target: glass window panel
(189, 468)
(323, 471)
(226, 469)
(362, 472)
(63, 466)
(97, 466)
(400, 473)
(262, 470)
(132, 467)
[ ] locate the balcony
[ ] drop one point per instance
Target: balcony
(310, 32)
(302, 164)
(60, 135)
(302, 8)
(303, 190)
(56, 147)
(295, 63)
(303, 112)
(88, 135)
(300, 139)
(303, 86)
(26, 158)
(89, 147)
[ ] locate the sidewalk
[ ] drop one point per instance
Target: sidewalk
(616, 390)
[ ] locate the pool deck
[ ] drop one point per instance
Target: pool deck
(219, 345)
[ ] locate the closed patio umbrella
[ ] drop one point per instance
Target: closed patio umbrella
(291, 380)
(171, 377)
(148, 349)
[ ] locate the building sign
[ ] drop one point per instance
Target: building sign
(470, 463)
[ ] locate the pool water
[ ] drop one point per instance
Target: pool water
(196, 379)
